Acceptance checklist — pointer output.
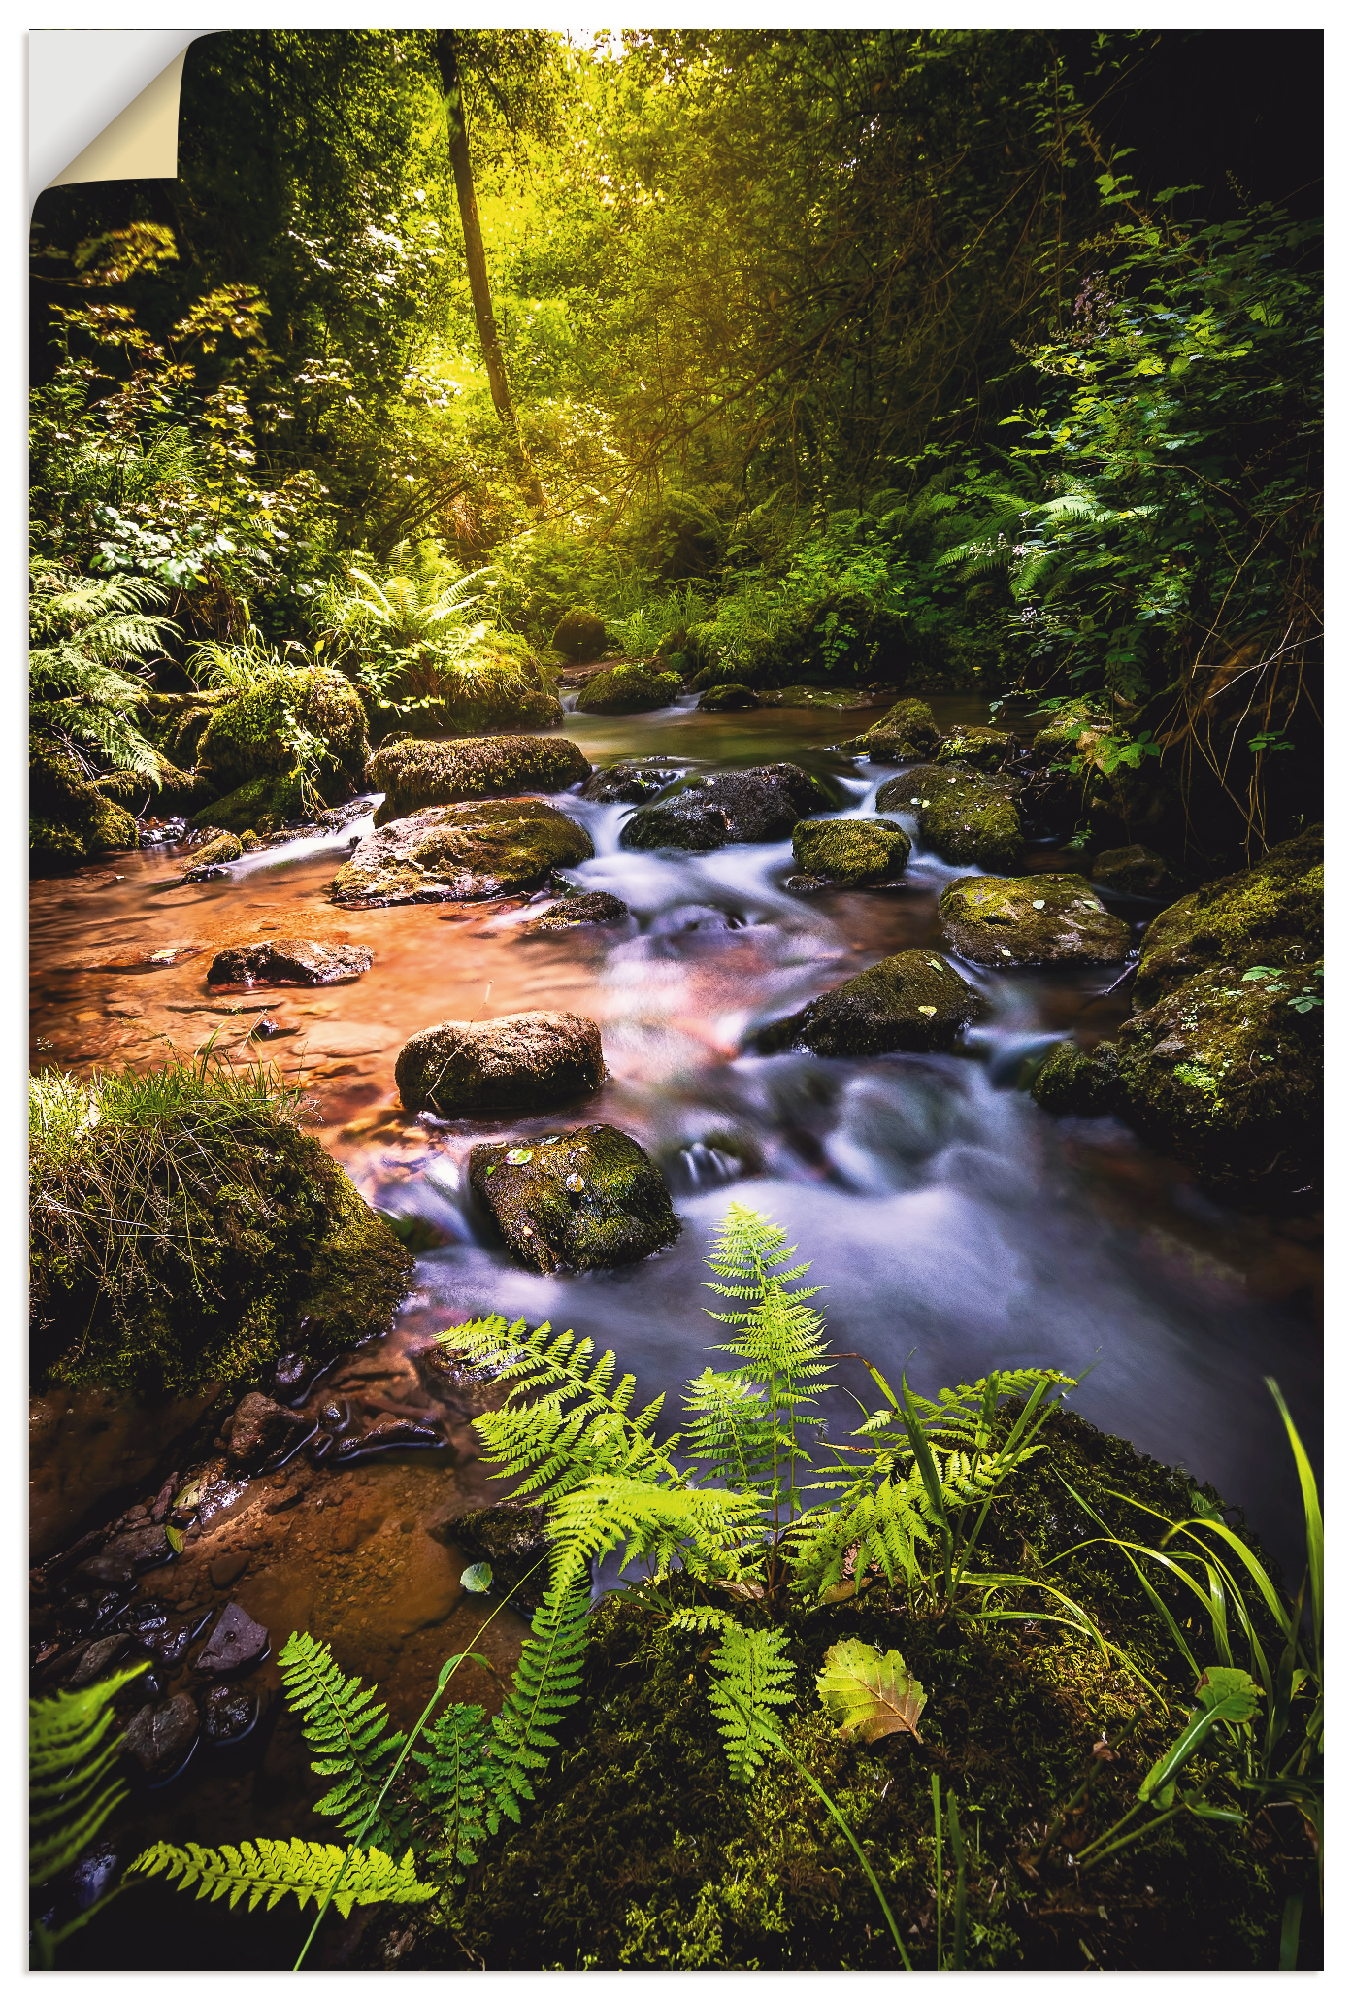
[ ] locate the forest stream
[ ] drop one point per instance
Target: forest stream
(953, 1226)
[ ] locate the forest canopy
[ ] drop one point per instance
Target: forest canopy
(816, 347)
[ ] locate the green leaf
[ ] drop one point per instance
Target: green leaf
(478, 1578)
(519, 1155)
(174, 1537)
(869, 1694)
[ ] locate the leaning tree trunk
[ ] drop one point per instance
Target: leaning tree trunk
(458, 142)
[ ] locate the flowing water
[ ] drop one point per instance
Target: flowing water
(953, 1226)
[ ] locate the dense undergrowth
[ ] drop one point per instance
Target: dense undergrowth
(184, 1227)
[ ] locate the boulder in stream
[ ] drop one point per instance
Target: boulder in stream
(907, 732)
(977, 744)
(261, 1429)
(575, 912)
(1005, 920)
(913, 1000)
(1079, 1083)
(1225, 1072)
(1266, 915)
(580, 635)
(205, 862)
(723, 807)
(161, 1735)
(460, 854)
(415, 774)
(848, 853)
(631, 781)
(517, 1062)
(729, 695)
(236, 1641)
(964, 816)
(633, 687)
(577, 1201)
(1135, 871)
(288, 962)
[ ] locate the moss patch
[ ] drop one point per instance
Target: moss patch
(1268, 915)
(629, 689)
(72, 820)
(580, 635)
(256, 733)
(184, 1229)
(578, 1201)
(913, 1000)
(975, 744)
(729, 695)
(260, 806)
(964, 816)
(464, 853)
(1030, 920)
(417, 774)
(1078, 1082)
(852, 852)
(908, 731)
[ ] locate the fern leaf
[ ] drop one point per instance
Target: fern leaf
(751, 1680)
(699, 1618)
(455, 1781)
(708, 1530)
(73, 1742)
(347, 1727)
(264, 1871)
(544, 1687)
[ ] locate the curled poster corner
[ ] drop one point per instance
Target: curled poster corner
(104, 104)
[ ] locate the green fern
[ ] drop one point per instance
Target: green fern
(565, 1419)
(544, 1687)
(309, 1870)
(751, 1680)
(699, 1618)
(710, 1532)
(73, 1742)
(454, 1787)
(347, 1727)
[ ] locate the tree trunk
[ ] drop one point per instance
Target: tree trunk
(458, 143)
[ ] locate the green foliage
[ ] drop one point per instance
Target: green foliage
(347, 1728)
(73, 1787)
(91, 639)
(181, 1222)
(454, 1786)
(544, 1687)
(264, 1871)
(751, 1679)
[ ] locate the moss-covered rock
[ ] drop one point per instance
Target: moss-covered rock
(515, 1062)
(800, 695)
(1135, 871)
(263, 806)
(580, 635)
(578, 1201)
(633, 688)
(963, 816)
(851, 852)
(907, 732)
(728, 806)
(204, 862)
(729, 695)
(253, 733)
(460, 854)
(71, 819)
(631, 781)
(576, 912)
(185, 1230)
(416, 774)
(1224, 1072)
(1077, 1082)
(913, 1000)
(502, 697)
(974, 743)
(1030, 920)
(1073, 733)
(640, 1853)
(1267, 915)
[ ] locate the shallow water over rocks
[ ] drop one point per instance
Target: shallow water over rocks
(954, 1227)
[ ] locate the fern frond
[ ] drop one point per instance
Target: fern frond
(733, 1430)
(272, 1869)
(456, 1774)
(73, 1742)
(699, 1618)
(347, 1727)
(881, 1523)
(566, 1419)
(544, 1687)
(708, 1530)
(751, 1680)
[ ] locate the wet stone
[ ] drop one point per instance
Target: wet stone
(161, 1735)
(596, 907)
(391, 1434)
(727, 807)
(913, 1000)
(121, 1559)
(228, 1713)
(579, 1201)
(99, 1659)
(999, 920)
(236, 1641)
(228, 1569)
(261, 1429)
(288, 962)
(631, 781)
(516, 1062)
